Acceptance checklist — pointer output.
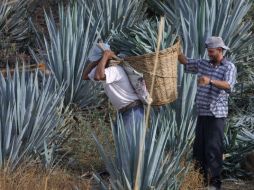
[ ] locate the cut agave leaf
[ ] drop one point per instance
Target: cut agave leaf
(142, 38)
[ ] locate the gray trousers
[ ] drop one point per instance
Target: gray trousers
(208, 148)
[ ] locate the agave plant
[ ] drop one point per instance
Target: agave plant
(14, 23)
(244, 62)
(239, 142)
(241, 99)
(142, 38)
(151, 159)
(240, 130)
(116, 14)
(30, 112)
(200, 19)
(67, 51)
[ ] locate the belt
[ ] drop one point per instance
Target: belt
(129, 106)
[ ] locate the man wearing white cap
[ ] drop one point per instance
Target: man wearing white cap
(216, 79)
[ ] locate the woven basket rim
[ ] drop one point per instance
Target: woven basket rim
(176, 45)
(163, 95)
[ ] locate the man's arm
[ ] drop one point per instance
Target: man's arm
(190, 65)
(88, 69)
(223, 85)
(182, 59)
(226, 84)
(100, 70)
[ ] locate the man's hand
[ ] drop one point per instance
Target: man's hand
(100, 70)
(108, 54)
(203, 80)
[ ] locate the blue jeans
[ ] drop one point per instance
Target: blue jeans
(136, 113)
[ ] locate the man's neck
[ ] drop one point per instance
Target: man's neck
(219, 60)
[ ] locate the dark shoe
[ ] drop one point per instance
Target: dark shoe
(213, 188)
(215, 182)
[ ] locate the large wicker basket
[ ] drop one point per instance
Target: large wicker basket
(165, 86)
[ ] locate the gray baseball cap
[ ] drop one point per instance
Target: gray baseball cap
(215, 42)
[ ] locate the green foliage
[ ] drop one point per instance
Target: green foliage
(70, 42)
(142, 38)
(245, 67)
(239, 135)
(116, 14)
(200, 19)
(14, 23)
(239, 142)
(30, 112)
(250, 16)
(67, 52)
(160, 148)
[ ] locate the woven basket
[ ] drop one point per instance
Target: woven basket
(165, 86)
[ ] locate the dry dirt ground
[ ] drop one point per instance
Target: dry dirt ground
(238, 185)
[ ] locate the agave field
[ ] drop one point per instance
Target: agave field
(57, 130)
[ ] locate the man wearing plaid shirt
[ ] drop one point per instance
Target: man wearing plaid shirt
(216, 79)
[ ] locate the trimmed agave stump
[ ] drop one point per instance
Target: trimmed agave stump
(165, 86)
(26, 68)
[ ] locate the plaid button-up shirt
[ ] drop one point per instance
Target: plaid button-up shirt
(210, 100)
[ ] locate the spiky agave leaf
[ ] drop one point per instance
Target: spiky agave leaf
(245, 73)
(30, 112)
(241, 100)
(202, 18)
(116, 14)
(160, 155)
(14, 23)
(239, 141)
(4, 11)
(67, 51)
(142, 38)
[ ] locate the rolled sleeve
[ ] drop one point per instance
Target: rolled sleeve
(192, 66)
(230, 77)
